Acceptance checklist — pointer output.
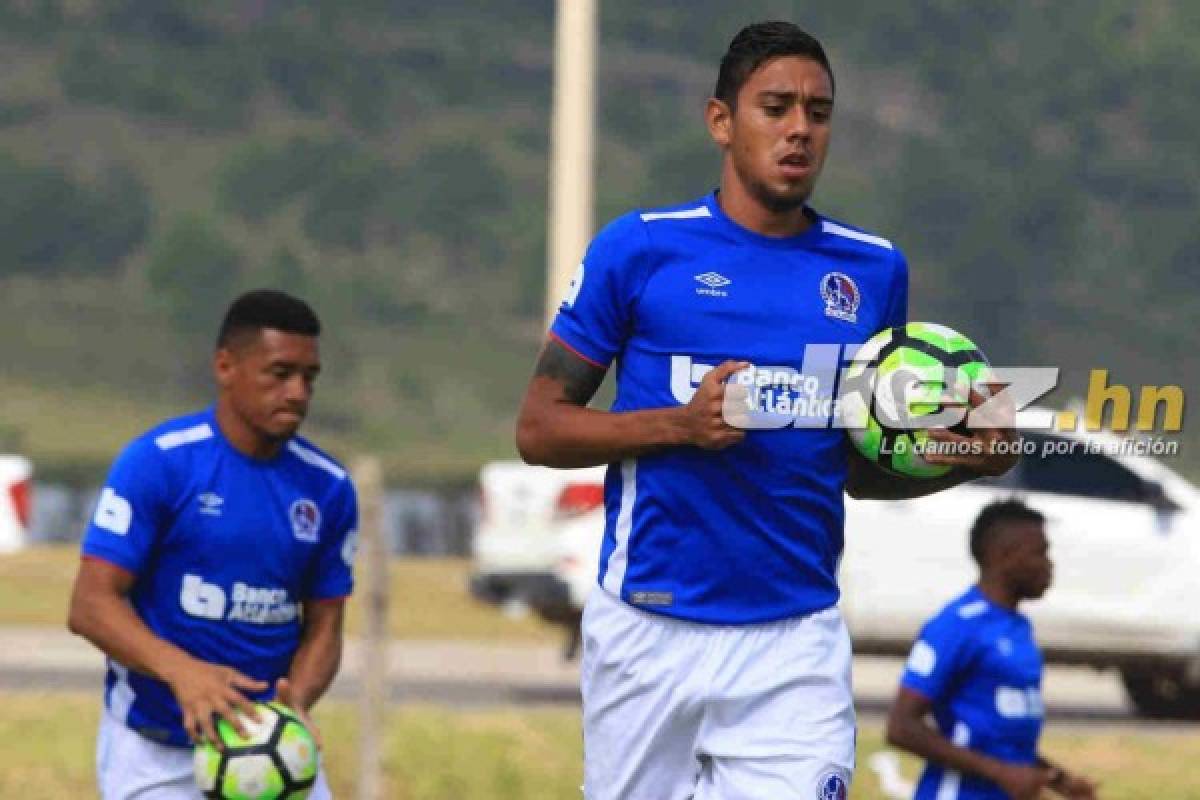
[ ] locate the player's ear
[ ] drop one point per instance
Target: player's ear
(223, 363)
(719, 117)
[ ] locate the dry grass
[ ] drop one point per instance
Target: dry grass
(434, 753)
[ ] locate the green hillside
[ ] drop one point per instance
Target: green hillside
(1036, 162)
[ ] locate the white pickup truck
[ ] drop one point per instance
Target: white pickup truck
(1124, 533)
(16, 501)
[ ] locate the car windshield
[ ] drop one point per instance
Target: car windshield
(1079, 473)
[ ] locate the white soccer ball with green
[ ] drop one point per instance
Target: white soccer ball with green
(277, 760)
(897, 383)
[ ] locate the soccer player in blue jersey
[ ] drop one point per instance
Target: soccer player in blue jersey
(715, 661)
(977, 668)
(216, 567)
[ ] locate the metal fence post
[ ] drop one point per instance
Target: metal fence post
(373, 564)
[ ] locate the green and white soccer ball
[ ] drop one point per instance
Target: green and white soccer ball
(277, 760)
(894, 388)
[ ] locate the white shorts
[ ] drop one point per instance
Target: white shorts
(131, 767)
(676, 710)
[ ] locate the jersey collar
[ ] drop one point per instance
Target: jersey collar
(805, 239)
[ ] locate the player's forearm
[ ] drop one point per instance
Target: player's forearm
(110, 623)
(315, 665)
(915, 736)
(865, 481)
(564, 435)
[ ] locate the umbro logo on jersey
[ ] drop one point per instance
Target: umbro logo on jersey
(713, 283)
(713, 279)
(210, 504)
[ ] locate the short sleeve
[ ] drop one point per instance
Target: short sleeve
(596, 316)
(940, 655)
(133, 508)
(333, 572)
(897, 309)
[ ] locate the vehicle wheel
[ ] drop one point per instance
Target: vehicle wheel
(1163, 694)
(574, 640)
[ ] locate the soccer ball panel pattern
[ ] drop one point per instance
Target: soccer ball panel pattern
(277, 760)
(898, 377)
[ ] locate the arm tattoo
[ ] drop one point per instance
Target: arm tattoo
(579, 379)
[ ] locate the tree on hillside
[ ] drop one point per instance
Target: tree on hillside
(194, 272)
(53, 224)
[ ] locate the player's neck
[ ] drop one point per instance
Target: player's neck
(998, 592)
(243, 438)
(741, 206)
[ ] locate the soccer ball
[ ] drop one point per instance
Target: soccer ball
(894, 388)
(276, 761)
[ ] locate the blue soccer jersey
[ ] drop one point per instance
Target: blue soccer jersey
(751, 533)
(224, 549)
(979, 665)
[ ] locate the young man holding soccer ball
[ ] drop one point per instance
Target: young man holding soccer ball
(716, 664)
(216, 567)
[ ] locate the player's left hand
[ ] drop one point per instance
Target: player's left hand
(981, 452)
(1076, 787)
(285, 694)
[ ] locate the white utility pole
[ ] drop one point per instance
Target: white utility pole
(569, 227)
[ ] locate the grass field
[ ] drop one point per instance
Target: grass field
(520, 754)
(428, 598)
(436, 753)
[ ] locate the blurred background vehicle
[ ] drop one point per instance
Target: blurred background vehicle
(1124, 533)
(524, 549)
(16, 501)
